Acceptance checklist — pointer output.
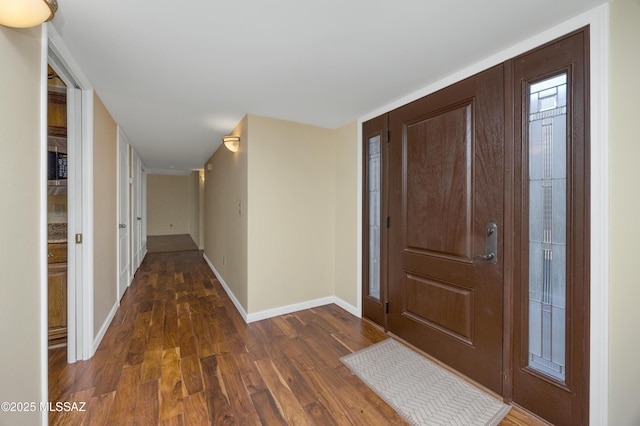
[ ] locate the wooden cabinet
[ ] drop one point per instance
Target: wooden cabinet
(57, 112)
(57, 295)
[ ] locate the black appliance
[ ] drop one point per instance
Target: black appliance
(57, 166)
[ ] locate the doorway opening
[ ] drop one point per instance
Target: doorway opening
(67, 214)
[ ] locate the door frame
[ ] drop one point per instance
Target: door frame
(598, 21)
(80, 288)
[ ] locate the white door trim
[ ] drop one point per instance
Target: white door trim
(42, 258)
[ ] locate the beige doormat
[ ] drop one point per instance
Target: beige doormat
(421, 391)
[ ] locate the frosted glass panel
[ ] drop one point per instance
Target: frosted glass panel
(375, 169)
(548, 226)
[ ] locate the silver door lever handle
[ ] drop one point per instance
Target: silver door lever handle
(488, 257)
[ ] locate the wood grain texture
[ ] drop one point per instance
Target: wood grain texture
(279, 371)
(445, 186)
(57, 294)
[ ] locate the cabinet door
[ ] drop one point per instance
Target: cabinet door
(57, 300)
(57, 253)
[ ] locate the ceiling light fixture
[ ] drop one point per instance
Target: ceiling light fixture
(231, 142)
(26, 13)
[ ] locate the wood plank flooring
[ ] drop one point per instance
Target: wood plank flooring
(178, 353)
(170, 243)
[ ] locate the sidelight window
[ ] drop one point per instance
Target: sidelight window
(548, 226)
(374, 157)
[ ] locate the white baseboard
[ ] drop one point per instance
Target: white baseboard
(347, 307)
(233, 297)
(283, 310)
(103, 329)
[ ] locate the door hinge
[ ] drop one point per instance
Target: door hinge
(78, 238)
(386, 307)
(388, 135)
(388, 221)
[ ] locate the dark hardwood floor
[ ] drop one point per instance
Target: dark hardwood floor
(170, 243)
(178, 353)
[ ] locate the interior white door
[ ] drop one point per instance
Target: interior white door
(143, 210)
(75, 226)
(124, 266)
(136, 218)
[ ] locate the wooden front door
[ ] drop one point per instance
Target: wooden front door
(481, 227)
(445, 228)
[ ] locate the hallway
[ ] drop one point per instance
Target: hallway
(178, 352)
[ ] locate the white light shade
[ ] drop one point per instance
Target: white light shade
(231, 142)
(26, 13)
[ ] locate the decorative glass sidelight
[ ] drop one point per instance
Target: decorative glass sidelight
(548, 225)
(374, 183)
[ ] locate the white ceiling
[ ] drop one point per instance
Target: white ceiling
(177, 76)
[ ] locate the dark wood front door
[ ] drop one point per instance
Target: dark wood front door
(445, 197)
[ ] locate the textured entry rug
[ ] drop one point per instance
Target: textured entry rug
(421, 391)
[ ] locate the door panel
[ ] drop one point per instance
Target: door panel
(124, 265)
(136, 210)
(432, 301)
(438, 211)
(446, 171)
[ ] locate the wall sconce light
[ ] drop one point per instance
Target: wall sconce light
(26, 13)
(231, 142)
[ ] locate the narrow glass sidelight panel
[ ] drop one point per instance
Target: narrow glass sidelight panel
(548, 226)
(374, 183)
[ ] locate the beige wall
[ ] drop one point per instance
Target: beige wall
(22, 251)
(105, 220)
(624, 134)
(172, 205)
(292, 213)
(281, 213)
(346, 212)
(225, 226)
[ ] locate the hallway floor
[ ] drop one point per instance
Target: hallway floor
(170, 243)
(178, 352)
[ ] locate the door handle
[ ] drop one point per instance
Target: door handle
(491, 255)
(122, 225)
